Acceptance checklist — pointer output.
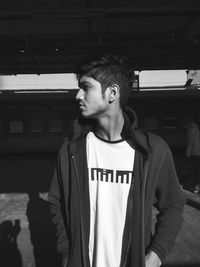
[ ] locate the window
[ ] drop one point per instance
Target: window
(162, 79)
(150, 123)
(170, 123)
(16, 126)
(146, 80)
(61, 81)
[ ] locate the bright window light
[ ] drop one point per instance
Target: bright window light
(162, 78)
(42, 81)
(62, 81)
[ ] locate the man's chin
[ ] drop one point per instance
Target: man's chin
(85, 114)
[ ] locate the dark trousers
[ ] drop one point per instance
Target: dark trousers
(196, 163)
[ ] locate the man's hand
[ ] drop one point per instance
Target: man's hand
(152, 260)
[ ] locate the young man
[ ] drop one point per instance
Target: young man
(109, 176)
(193, 148)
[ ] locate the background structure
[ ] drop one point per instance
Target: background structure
(40, 36)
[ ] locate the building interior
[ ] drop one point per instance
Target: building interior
(40, 37)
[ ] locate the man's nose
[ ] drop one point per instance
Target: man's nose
(79, 95)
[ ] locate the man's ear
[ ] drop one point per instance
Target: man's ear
(114, 92)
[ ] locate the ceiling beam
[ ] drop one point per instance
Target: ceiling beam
(77, 13)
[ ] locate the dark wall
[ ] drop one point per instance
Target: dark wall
(33, 127)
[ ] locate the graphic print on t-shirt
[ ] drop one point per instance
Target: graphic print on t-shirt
(110, 169)
(104, 175)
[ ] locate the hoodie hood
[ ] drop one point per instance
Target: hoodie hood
(130, 120)
(136, 137)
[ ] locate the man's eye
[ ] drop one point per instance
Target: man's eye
(86, 88)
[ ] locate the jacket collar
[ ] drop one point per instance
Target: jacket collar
(137, 138)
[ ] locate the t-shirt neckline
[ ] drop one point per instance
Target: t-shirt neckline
(108, 141)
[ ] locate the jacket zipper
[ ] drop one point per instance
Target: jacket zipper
(146, 167)
(129, 241)
(81, 210)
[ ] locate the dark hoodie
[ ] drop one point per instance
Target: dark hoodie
(155, 183)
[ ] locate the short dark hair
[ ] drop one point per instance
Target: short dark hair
(108, 70)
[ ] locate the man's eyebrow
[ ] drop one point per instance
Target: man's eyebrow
(83, 84)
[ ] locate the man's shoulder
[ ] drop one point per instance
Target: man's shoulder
(64, 146)
(155, 141)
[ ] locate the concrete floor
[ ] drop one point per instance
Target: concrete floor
(31, 233)
(186, 252)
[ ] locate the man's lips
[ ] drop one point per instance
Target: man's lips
(81, 106)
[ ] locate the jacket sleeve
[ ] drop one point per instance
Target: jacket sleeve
(170, 204)
(57, 199)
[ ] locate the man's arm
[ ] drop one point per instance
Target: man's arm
(170, 204)
(57, 208)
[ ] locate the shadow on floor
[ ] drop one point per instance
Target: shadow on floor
(9, 252)
(193, 204)
(182, 265)
(42, 232)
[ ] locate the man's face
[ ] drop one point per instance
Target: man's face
(92, 102)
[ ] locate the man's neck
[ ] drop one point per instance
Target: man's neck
(110, 126)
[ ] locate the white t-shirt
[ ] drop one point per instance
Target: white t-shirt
(110, 167)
